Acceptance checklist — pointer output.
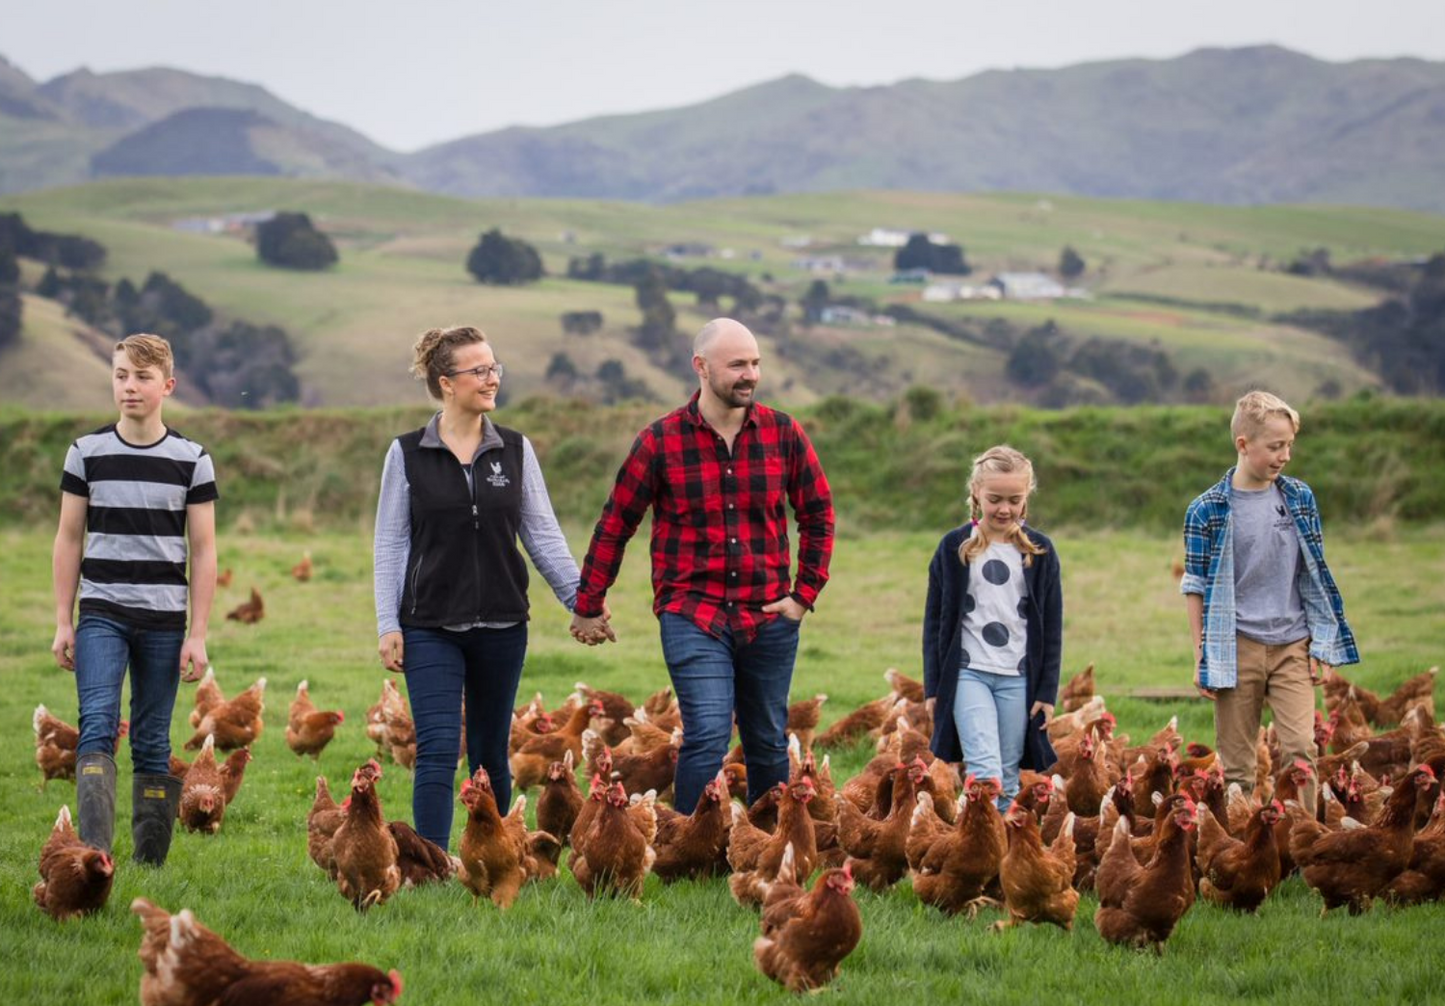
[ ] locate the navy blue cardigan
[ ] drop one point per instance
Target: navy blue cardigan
(943, 650)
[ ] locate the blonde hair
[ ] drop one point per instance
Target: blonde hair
(1253, 410)
(435, 351)
(146, 350)
(998, 460)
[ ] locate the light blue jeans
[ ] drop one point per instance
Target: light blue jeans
(991, 713)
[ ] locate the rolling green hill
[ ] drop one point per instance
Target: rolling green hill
(401, 271)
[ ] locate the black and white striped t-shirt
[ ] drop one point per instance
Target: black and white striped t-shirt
(134, 565)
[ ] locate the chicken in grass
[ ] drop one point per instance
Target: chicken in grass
(303, 569)
(609, 709)
(363, 848)
(1139, 906)
(694, 845)
(803, 718)
(187, 964)
(1239, 873)
(1037, 882)
(55, 744)
(1416, 691)
(233, 773)
(616, 853)
(806, 937)
(1089, 778)
(495, 861)
(203, 797)
(529, 764)
(561, 799)
(1077, 690)
(650, 770)
(249, 612)
(1424, 879)
(877, 849)
(754, 854)
(235, 723)
(421, 861)
(322, 821)
(398, 731)
(308, 729)
(1351, 867)
(75, 879)
(208, 697)
(954, 865)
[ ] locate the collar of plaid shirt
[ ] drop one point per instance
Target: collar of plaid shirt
(719, 538)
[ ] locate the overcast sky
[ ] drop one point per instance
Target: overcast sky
(412, 74)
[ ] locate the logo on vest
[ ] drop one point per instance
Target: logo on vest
(497, 479)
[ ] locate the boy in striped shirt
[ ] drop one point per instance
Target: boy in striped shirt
(137, 501)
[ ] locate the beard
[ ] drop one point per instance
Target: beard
(735, 394)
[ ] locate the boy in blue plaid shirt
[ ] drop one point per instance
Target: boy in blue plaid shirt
(1265, 616)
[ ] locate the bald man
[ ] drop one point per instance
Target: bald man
(719, 475)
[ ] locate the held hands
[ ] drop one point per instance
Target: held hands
(1047, 709)
(595, 630)
(1319, 670)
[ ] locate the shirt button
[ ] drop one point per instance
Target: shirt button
(733, 573)
(734, 541)
(730, 471)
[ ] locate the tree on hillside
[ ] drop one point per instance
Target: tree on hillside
(245, 366)
(11, 315)
(291, 241)
(1035, 359)
(503, 261)
(1071, 263)
(69, 250)
(658, 331)
(814, 301)
(921, 253)
(581, 322)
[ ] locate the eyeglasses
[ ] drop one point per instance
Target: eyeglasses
(482, 373)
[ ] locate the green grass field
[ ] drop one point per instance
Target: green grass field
(687, 943)
(402, 255)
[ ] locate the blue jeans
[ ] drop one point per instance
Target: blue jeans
(991, 713)
(104, 648)
(482, 667)
(717, 678)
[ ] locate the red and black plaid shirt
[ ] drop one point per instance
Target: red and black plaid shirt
(719, 526)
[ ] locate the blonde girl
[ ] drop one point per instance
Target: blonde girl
(993, 629)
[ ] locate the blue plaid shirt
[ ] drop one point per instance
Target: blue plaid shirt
(1209, 570)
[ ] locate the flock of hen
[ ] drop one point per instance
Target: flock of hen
(1147, 827)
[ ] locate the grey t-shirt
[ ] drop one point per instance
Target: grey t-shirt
(1267, 603)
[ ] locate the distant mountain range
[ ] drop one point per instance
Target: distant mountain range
(1240, 126)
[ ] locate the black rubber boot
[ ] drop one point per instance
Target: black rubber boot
(95, 798)
(153, 815)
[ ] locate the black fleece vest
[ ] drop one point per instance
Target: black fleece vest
(464, 565)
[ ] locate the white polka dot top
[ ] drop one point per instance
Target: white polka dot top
(995, 622)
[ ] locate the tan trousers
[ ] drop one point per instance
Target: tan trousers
(1279, 675)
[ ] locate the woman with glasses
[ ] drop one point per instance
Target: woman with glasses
(451, 585)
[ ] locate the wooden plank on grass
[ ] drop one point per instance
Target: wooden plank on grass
(1157, 694)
